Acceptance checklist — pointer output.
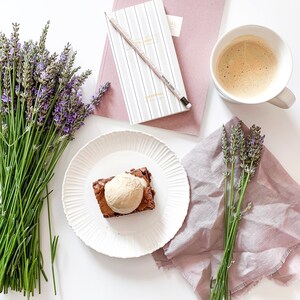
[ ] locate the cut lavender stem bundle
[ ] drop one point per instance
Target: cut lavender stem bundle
(243, 153)
(41, 109)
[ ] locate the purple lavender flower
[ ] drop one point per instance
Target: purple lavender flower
(43, 75)
(254, 145)
(14, 44)
(66, 129)
(43, 99)
(70, 112)
(225, 148)
(5, 99)
(100, 93)
(63, 58)
(79, 95)
(40, 66)
(5, 103)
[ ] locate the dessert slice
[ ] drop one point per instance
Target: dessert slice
(125, 193)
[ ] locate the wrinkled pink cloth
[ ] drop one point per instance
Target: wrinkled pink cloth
(268, 239)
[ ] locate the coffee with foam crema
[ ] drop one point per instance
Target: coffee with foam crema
(247, 67)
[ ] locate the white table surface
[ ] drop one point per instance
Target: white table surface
(83, 273)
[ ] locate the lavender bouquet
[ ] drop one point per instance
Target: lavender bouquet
(41, 108)
(241, 155)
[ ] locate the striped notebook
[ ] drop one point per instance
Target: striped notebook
(146, 97)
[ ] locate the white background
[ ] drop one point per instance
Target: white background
(81, 272)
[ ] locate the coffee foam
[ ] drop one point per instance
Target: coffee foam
(246, 67)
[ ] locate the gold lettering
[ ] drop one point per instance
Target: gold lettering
(149, 39)
(154, 96)
(144, 41)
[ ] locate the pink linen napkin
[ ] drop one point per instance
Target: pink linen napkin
(268, 240)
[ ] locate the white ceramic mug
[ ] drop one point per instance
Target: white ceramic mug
(277, 93)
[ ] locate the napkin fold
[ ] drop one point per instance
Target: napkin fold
(268, 239)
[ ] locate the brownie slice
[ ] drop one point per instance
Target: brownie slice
(147, 202)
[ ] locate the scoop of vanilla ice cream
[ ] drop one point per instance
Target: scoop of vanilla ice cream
(124, 193)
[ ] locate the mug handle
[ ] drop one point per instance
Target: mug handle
(284, 100)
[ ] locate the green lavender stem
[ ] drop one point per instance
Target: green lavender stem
(225, 212)
(220, 290)
(53, 241)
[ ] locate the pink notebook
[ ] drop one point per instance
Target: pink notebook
(199, 32)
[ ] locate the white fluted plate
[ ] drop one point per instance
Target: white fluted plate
(131, 235)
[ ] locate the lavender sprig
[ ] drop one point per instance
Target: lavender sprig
(248, 151)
